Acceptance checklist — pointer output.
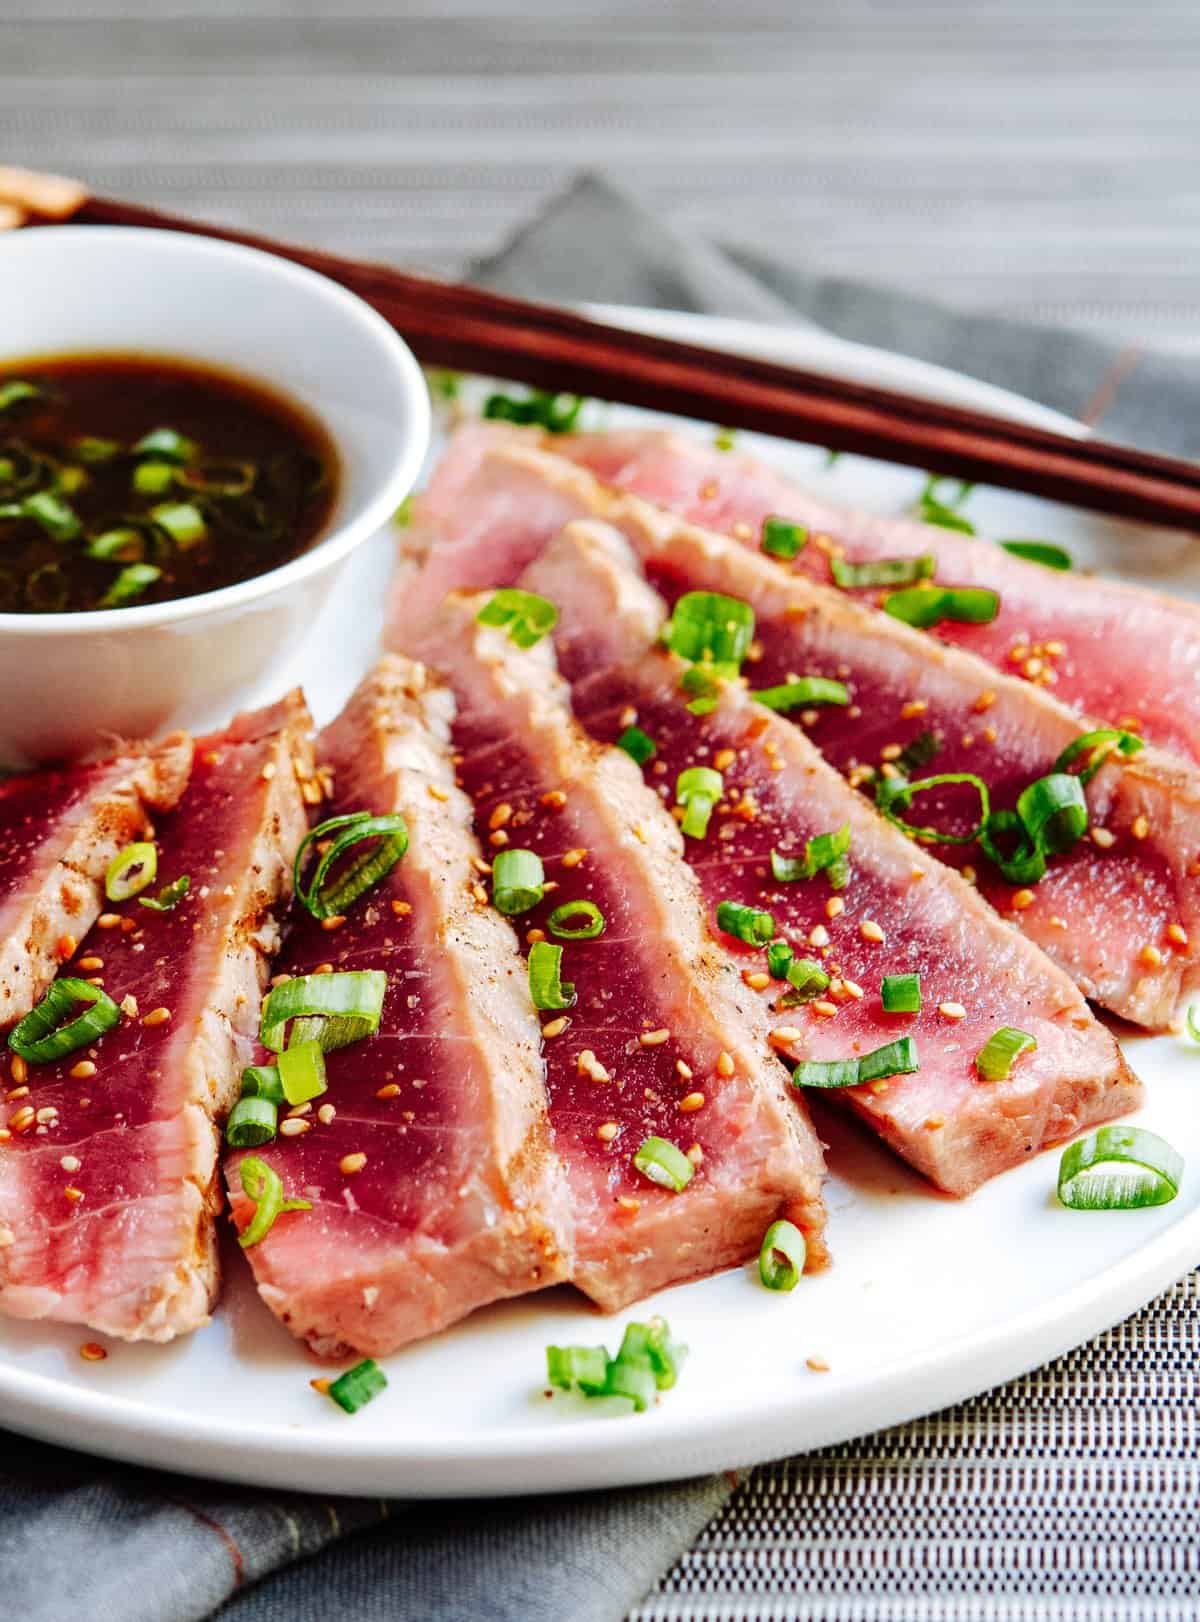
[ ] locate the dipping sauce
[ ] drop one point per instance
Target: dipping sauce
(127, 480)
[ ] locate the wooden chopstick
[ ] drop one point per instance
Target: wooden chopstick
(449, 324)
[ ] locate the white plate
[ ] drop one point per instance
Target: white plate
(930, 1300)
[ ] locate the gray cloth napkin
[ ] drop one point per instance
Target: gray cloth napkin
(597, 242)
(83, 1538)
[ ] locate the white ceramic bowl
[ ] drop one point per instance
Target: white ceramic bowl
(66, 679)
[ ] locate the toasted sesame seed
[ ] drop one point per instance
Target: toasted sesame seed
(628, 717)
(934, 1122)
(294, 1127)
(109, 920)
(1178, 934)
(985, 701)
(499, 839)
(533, 936)
(890, 751)
(72, 1193)
(952, 1010)
(834, 907)
(1150, 957)
(17, 1092)
(1021, 900)
(83, 1071)
(47, 1115)
(334, 921)
(695, 1154)
(23, 1119)
(818, 935)
(879, 1086)
(783, 1035)
(300, 1109)
(968, 873)
(573, 858)
(870, 931)
(756, 979)
(554, 799)
(689, 1104)
(724, 759)
(437, 793)
(7, 1237)
(92, 1352)
(628, 1203)
(817, 1364)
(725, 1065)
(607, 1131)
(19, 1069)
(157, 1016)
(501, 815)
(684, 1070)
(655, 1039)
(824, 1009)
(323, 968)
(90, 964)
(390, 1089)
(587, 1064)
(853, 990)
(480, 894)
(1140, 827)
(401, 908)
(556, 1027)
(66, 946)
(914, 707)
(326, 1114)
(348, 1165)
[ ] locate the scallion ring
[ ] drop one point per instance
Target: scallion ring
(664, 1163)
(358, 1386)
(335, 1009)
(42, 1035)
(518, 881)
(169, 897)
(302, 1072)
(637, 744)
(746, 923)
(252, 1122)
(995, 1059)
(698, 789)
(263, 1184)
(783, 539)
(1098, 745)
(709, 625)
(806, 980)
(576, 921)
(892, 793)
(782, 1256)
(898, 1058)
(901, 993)
(327, 897)
(262, 1081)
(1119, 1168)
(131, 871)
(547, 988)
(824, 853)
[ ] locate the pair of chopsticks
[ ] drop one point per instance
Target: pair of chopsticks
(448, 324)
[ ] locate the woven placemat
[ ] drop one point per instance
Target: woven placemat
(1071, 1494)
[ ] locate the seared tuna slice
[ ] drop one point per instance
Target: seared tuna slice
(59, 830)
(433, 1183)
(662, 1040)
(108, 1185)
(900, 912)
(1120, 912)
(1059, 631)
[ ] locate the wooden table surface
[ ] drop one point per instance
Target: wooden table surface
(1035, 156)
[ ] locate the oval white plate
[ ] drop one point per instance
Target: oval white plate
(929, 1301)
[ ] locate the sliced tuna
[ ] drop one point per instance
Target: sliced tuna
(1120, 912)
(59, 830)
(662, 1041)
(1053, 630)
(433, 1182)
(108, 1185)
(901, 912)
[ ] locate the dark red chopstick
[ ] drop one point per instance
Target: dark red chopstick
(453, 325)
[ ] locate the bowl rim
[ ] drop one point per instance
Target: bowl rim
(342, 538)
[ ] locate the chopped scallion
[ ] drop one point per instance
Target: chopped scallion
(547, 989)
(252, 1122)
(746, 923)
(262, 1081)
(576, 921)
(806, 980)
(556, 413)
(526, 617)
(358, 1386)
(783, 539)
(894, 793)
(263, 1184)
(169, 897)
(782, 1256)
(901, 993)
(165, 445)
(665, 1164)
(637, 744)
(130, 871)
(800, 694)
(327, 897)
(924, 606)
(1098, 746)
(708, 625)
(698, 789)
(779, 959)
(898, 1058)
(302, 1072)
(334, 1009)
(42, 1035)
(824, 853)
(133, 580)
(1119, 1168)
(994, 1061)
(1050, 557)
(883, 571)
(518, 881)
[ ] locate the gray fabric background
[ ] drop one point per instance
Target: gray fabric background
(1029, 159)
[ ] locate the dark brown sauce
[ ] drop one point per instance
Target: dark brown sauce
(242, 483)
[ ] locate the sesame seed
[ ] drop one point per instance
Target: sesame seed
(323, 968)
(1021, 900)
(480, 894)
(952, 1010)
(92, 1352)
(501, 815)
(573, 858)
(783, 1035)
(725, 1065)
(23, 1119)
(696, 1154)
(83, 1071)
(70, 1162)
(969, 874)
(326, 1113)
(914, 707)
(818, 935)
(879, 1086)
(870, 931)
(628, 717)
(654, 1039)
(294, 1127)
(890, 751)
(556, 1027)
(853, 990)
(724, 759)
(20, 1070)
(390, 1090)
(824, 1009)
(628, 1203)
(554, 799)
(1150, 957)
(533, 936)
(48, 1115)
(1178, 934)
(607, 1131)
(73, 1194)
(335, 921)
(985, 701)
(587, 1064)
(1140, 828)
(157, 1016)
(499, 839)
(684, 1070)
(689, 1104)
(280, 979)
(436, 793)
(934, 1122)
(91, 964)
(401, 908)
(348, 1165)
(817, 1364)
(7, 1237)
(756, 979)
(66, 946)
(639, 833)
(109, 920)
(1103, 837)
(17, 1092)
(834, 907)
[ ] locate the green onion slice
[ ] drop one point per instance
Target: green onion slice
(895, 792)
(633, 1380)
(526, 617)
(1193, 1024)
(779, 959)
(262, 1081)
(16, 391)
(797, 695)
(302, 1072)
(782, 1256)
(329, 898)
(43, 1036)
(220, 478)
(898, 1058)
(1024, 863)
(153, 478)
(698, 789)
(708, 625)
(901, 993)
(358, 1386)
(746, 923)
(825, 853)
(576, 921)
(1053, 812)
(883, 572)
(165, 445)
(649, 1345)
(638, 744)
(923, 607)
(806, 980)
(518, 881)
(994, 1061)
(90, 449)
(1051, 557)
(183, 522)
(556, 413)
(133, 580)
(169, 897)
(1098, 746)
(665, 1164)
(1119, 1168)
(57, 518)
(577, 1368)
(335, 1009)
(706, 681)
(252, 1122)
(917, 753)
(783, 539)
(262, 1184)
(547, 988)
(130, 871)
